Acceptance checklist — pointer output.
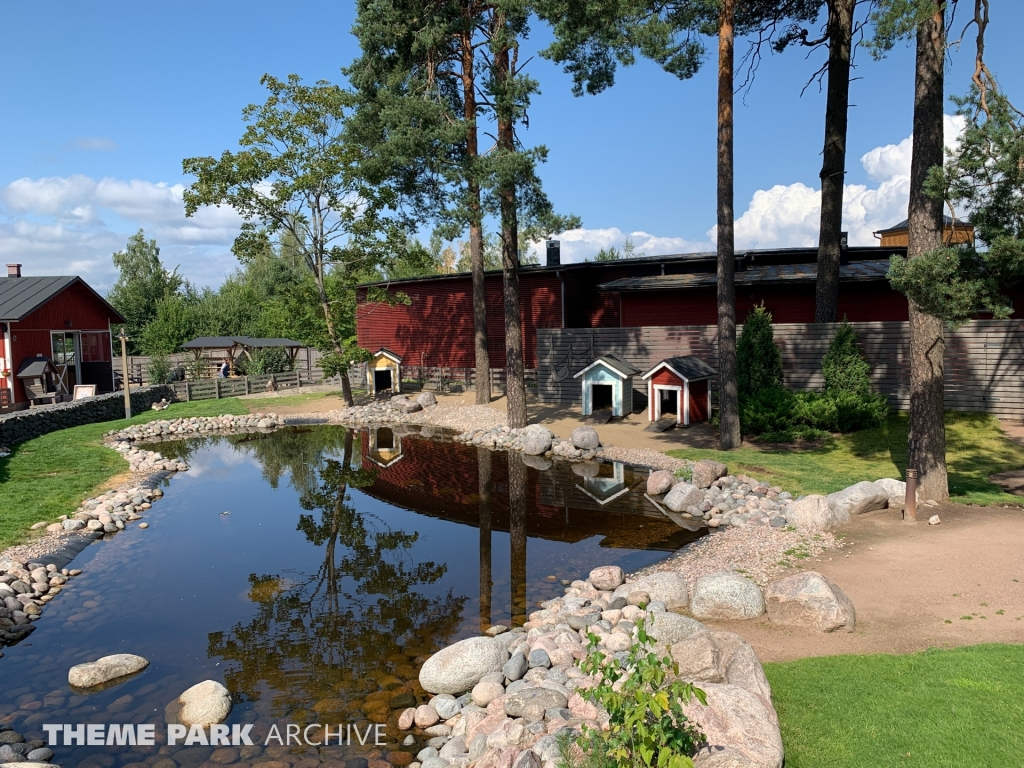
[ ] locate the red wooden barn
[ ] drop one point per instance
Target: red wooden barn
(58, 318)
(679, 385)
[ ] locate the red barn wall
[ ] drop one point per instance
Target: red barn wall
(698, 401)
(787, 303)
(436, 327)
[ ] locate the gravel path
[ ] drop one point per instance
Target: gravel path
(760, 553)
(460, 417)
(645, 457)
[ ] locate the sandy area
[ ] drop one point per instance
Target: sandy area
(907, 581)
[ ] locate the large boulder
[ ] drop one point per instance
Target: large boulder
(699, 659)
(670, 628)
(858, 498)
(814, 514)
(897, 490)
(406, 406)
(585, 438)
(726, 595)
(706, 471)
(714, 656)
(682, 496)
(809, 599)
(546, 698)
(659, 482)
(106, 669)
(738, 722)
(457, 668)
(662, 586)
(536, 440)
(426, 399)
(607, 577)
(205, 704)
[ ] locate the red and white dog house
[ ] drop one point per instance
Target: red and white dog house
(679, 385)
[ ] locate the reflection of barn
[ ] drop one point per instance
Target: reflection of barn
(555, 508)
(385, 446)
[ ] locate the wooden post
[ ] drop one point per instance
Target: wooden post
(910, 502)
(216, 388)
(246, 384)
(124, 373)
(188, 392)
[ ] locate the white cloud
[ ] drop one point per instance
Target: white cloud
(788, 215)
(578, 245)
(72, 224)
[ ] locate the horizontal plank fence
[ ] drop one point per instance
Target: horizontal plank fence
(450, 379)
(984, 360)
(209, 389)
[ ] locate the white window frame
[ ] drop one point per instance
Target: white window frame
(682, 401)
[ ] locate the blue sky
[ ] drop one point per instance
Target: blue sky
(104, 100)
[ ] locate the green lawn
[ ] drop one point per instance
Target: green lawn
(975, 449)
(957, 708)
(53, 474)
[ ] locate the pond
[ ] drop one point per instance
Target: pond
(312, 570)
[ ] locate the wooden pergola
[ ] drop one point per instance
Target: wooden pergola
(232, 346)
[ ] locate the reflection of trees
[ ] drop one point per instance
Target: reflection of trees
(517, 535)
(483, 463)
(333, 628)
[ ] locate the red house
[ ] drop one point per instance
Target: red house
(679, 385)
(60, 319)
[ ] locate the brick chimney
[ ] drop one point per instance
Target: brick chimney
(14, 270)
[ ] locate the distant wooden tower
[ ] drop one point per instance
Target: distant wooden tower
(384, 372)
(679, 385)
(953, 233)
(608, 383)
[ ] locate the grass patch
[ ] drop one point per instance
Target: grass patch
(936, 708)
(51, 475)
(975, 449)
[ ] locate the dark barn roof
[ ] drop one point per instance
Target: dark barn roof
(21, 296)
(903, 226)
(855, 271)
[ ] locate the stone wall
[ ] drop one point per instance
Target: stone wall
(19, 426)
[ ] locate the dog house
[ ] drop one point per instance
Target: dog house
(385, 446)
(384, 372)
(40, 379)
(607, 485)
(608, 383)
(680, 386)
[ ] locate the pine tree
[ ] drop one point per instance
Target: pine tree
(843, 367)
(759, 361)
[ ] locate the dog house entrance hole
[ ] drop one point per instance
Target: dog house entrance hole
(669, 400)
(385, 439)
(602, 396)
(382, 380)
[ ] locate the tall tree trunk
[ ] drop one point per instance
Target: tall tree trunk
(332, 333)
(515, 386)
(926, 447)
(476, 232)
(729, 416)
(833, 164)
(483, 470)
(517, 536)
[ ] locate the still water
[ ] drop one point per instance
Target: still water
(311, 571)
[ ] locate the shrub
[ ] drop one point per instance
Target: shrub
(758, 360)
(264, 361)
(644, 702)
(859, 411)
(684, 473)
(843, 366)
(816, 411)
(767, 410)
(159, 370)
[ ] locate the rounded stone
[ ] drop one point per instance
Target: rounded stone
(607, 577)
(205, 704)
(726, 595)
(459, 667)
(486, 692)
(660, 482)
(585, 438)
(425, 716)
(105, 669)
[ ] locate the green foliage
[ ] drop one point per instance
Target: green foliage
(644, 701)
(684, 473)
(262, 361)
(769, 409)
(628, 251)
(895, 20)
(758, 360)
(843, 367)
(334, 364)
(159, 370)
(142, 283)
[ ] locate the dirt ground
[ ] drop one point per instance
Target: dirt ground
(908, 581)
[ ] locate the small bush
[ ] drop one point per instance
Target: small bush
(644, 700)
(859, 411)
(843, 367)
(816, 411)
(159, 370)
(758, 360)
(767, 410)
(684, 473)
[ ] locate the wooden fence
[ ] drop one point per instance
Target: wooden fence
(209, 389)
(984, 360)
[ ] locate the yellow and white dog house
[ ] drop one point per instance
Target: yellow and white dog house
(384, 372)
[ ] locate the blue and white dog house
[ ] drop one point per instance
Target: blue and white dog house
(608, 382)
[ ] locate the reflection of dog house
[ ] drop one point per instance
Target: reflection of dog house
(607, 485)
(608, 383)
(385, 446)
(679, 385)
(384, 372)
(38, 377)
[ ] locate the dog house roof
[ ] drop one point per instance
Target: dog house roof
(614, 363)
(688, 367)
(388, 354)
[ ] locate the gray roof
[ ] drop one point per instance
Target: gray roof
(226, 342)
(20, 296)
(34, 366)
(947, 221)
(614, 362)
(689, 367)
(855, 271)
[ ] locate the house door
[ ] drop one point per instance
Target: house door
(381, 380)
(65, 357)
